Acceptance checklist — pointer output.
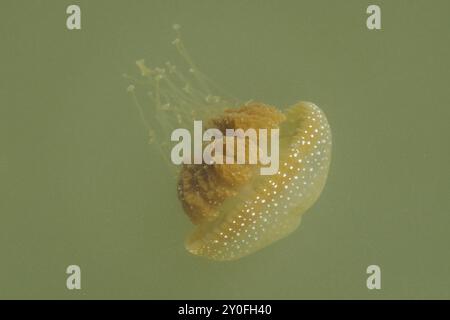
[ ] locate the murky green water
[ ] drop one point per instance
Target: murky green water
(80, 185)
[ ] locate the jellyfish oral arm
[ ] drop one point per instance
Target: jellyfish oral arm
(234, 140)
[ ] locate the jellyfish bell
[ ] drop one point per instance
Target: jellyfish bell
(238, 211)
(235, 210)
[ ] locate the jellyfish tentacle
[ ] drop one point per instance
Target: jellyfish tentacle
(205, 84)
(150, 124)
(131, 90)
(178, 42)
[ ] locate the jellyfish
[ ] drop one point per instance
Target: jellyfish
(235, 210)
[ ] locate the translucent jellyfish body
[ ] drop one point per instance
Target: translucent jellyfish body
(236, 210)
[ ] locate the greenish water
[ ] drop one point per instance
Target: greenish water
(80, 185)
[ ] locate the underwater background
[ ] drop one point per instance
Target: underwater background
(79, 183)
